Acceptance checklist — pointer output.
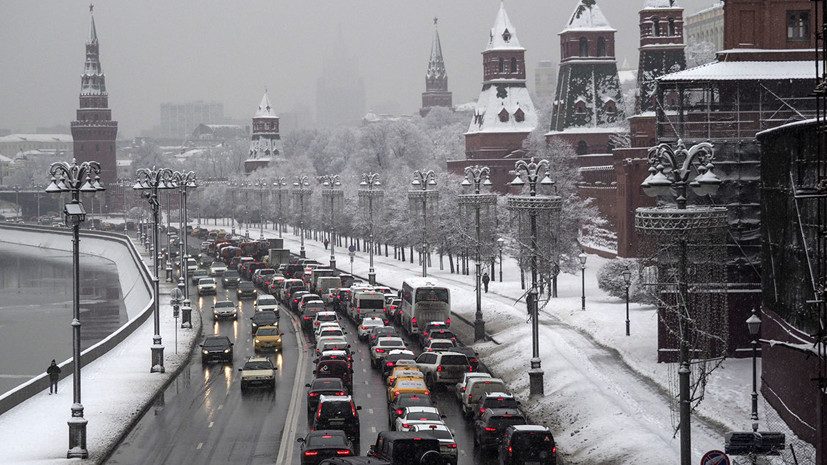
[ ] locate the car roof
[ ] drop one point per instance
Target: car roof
(336, 381)
(498, 394)
(420, 408)
(531, 428)
(324, 398)
(386, 339)
(258, 359)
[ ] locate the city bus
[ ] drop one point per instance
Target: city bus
(424, 300)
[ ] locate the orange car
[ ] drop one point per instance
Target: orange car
(412, 385)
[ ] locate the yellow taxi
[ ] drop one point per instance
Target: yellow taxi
(404, 372)
(267, 338)
(412, 385)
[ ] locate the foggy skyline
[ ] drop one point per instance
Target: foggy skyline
(228, 52)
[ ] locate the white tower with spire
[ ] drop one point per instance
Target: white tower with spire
(265, 144)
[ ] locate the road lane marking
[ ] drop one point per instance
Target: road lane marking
(369, 395)
(220, 406)
(372, 429)
(211, 423)
(199, 446)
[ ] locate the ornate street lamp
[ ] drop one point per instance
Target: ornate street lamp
(627, 280)
(582, 257)
(233, 186)
(477, 177)
(75, 179)
(754, 327)
(419, 195)
(281, 188)
(260, 185)
(698, 236)
(500, 243)
(368, 192)
(184, 181)
(538, 239)
(332, 192)
(150, 181)
(300, 192)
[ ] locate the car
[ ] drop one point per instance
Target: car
(323, 386)
(367, 324)
(443, 368)
(328, 325)
(224, 309)
(447, 444)
(290, 290)
(407, 399)
(439, 345)
(379, 332)
(216, 348)
(459, 388)
(268, 338)
(341, 299)
(527, 444)
(382, 347)
(323, 341)
(301, 302)
(336, 369)
(403, 372)
(335, 355)
(489, 428)
(495, 400)
(474, 390)
(192, 265)
(438, 334)
(246, 290)
(393, 305)
(309, 310)
(393, 359)
(266, 302)
(258, 371)
(338, 412)
(206, 286)
(405, 448)
(328, 331)
(431, 325)
(230, 278)
(413, 385)
(205, 261)
(336, 345)
(197, 275)
(294, 295)
(325, 317)
(261, 275)
(217, 269)
(417, 416)
(473, 356)
(322, 444)
(263, 318)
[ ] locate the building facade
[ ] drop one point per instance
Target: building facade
(706, 26)
(436, 79)
(179, 120)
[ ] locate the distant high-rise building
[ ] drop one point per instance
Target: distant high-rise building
(436, 79)
(340, 90)
(178, 120)
(94, 132)
(545, 79)
(265, 144)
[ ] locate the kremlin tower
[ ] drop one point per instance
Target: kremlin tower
(661, 47)
(266, 142)
(436, 79)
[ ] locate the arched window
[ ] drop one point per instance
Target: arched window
(513, 65)
(672, 30)
(501, 66)
(503, 115)
(656, 27)
(580, 107)
(519, 116)
(584, 47)
(582, 147)
(610, 106)
(601, 47)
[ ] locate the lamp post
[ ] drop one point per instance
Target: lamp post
(754, 326)
(184, 181)
(75, 179)
(532, 206)
(500, 243)
(260, 185)
(420, 194)
(300, 191)
(477, 177)
(368, 191)
(245, 185)
(17, 202)
(668, 175)
(122, 185)
(233, 185)
(582, 257)
(149, 181)
(331, 190)
(280, 184)
(627, 280)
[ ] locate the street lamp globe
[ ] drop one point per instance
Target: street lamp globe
(754, 324)
(627, 276)
(582, 257)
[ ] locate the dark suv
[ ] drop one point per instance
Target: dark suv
(246, 290)
(230, 278)
(495, 400)
(323, 387)
(406, 447)
(524, 444)
(338, 412)
(489, 428)
(217, 348)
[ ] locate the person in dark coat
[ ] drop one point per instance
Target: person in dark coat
(326, 242)
(54, 375)
(485, 280)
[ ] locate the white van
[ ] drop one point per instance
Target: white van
(368, 304)
(475, 388)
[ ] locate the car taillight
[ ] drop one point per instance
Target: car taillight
(453, 446)
(490, 429)
(353, 409)
(396, 393)
(389, 364)
(413, 321)
(439, 368)
(380, 350)
(313, 394)
(308, 453)
(448, 321)
(470, 368)
(554, 450)
(405, 425)
(342, 452)
(399, 411)
(427, 393)
(482, 409)
(509, 449)
(340, 393)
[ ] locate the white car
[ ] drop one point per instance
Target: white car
(418, 416)
(218, 269)
(258, 371)
(206, 286)
(367, 324)
(439, 345)
(459, 388)
(327, 325)
(382, 347)
(320, 342)
(225, 309)
(267, 302)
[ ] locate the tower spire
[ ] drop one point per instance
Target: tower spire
(436, 78)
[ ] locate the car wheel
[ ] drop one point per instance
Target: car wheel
(373, 363)
(243, 387)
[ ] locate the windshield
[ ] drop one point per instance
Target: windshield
(215, 342)
(432, 295)
(258, 365)
(231, 274)
(224, 304)
(267, 332)
(424, 416)
(326, 440)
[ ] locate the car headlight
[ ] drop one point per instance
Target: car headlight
(278, 339)
(206, 352)
(215, 313)
(227, 351)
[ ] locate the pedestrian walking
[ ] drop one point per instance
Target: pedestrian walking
(326, 242)
(54, 375)
(485, 280)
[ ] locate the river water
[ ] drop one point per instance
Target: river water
(36, 308)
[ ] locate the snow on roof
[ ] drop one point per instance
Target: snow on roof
(265, 110)
(590, 130)
(486, 115)
(503, 35)
(468, 106)
(744, 70)
(36, 138)
(651, 4)
(588, 17)
(5, 159)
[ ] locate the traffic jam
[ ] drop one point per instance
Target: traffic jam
(405, 334)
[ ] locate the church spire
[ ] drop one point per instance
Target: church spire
(436, 78)
(93, 81)
(436, 64)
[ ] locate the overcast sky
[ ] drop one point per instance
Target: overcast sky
(155, 51)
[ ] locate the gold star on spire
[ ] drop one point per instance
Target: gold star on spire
(91, 7)
(435, 20)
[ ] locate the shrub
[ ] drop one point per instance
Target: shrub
(610, 279)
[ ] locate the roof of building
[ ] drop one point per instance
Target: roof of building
(37, 138)
(265, 110)
(587, 16)
(503, 35)
(436, 64)
(653, 4)
(744, 70)
(490, 105)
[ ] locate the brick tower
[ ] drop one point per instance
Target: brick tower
(504, 115)
(436, 79)
(94, 132)
(265, 144)
(661, 47)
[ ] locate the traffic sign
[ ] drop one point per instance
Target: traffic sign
(715, 457)
(351, 249)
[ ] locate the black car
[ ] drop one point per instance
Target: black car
(407, 399)
(246, 290)
(391, 359)
(320, 387)
(406, 447)
(295, 297)
(379, 332)
(489, 428)
(230, 278)
(524, 444)
(338, 412)
(322, 444)
(263, 318)
(291, 270)
(495, 400)
(217, 348)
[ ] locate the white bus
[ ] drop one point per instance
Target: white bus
(424, 300)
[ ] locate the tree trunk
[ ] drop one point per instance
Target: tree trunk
(451, 262)
(412, 254)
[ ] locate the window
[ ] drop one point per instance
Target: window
(584, 47)
(501, 66)
(506, 35)
(656, 27)
(580, 107)
(582, 147)
(672, 29)
(798, 25)
(513, 65)
(601, 47)
(519, 116)
(610, 106)
(503, 116)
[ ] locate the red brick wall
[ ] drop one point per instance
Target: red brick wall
(763, 24)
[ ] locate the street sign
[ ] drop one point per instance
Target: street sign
(351, 249)
(175, 296)
(715, 457)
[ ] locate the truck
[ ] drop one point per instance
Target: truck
(325, 284)
(367, 304)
